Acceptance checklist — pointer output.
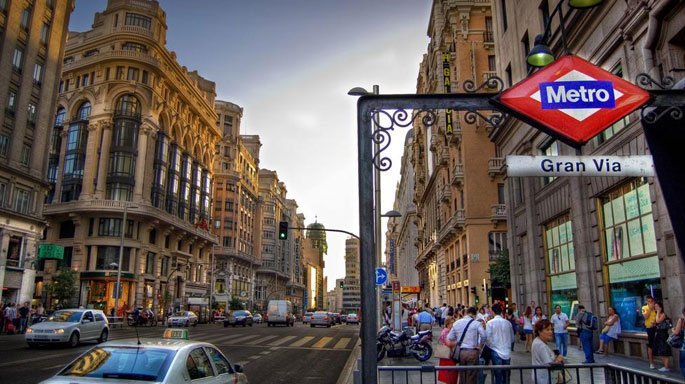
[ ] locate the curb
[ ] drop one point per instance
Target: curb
(346, 374)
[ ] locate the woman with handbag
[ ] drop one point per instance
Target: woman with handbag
(444, 352)
(677, 338)
(661, 347)
(610, 332)
(542, 356)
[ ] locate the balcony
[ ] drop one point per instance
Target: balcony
(443, 155)
(112, 55)
(496, 166)
(499, 213)
(458, 175)
(444, 193)
(487, 75)
(460, 218)
(455, 137)
(488, 39)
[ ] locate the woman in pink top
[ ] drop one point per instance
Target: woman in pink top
(447, 376)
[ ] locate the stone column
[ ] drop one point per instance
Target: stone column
(141, 161)
(89, 170)
(4, 243)
(101, 187)
(28, 279)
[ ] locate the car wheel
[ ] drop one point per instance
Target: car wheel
(31, 344)
(233, 325)
(103, 336)
(328, 326)
(187, 324)
(73, 340)
(244, 325)
(312, 325)
(195, 324)
(225, 325)
(250, 324)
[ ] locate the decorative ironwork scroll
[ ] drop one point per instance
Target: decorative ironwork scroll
(398, 118)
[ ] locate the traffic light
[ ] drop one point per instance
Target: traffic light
(473, 290)
(342, 284)
(283, 230)
(477, 300)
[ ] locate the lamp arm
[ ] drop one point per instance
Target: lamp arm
(547, 30)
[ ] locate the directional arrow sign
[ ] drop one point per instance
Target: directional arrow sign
(572, 99)
(381, 276)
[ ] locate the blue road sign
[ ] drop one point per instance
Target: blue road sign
(381, 276)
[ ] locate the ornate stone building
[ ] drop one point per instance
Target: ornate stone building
(236, 201)
(32, 40)
(597, 241)
(134, 132)
(460, 211)
(315, 246)
(351, 296)
(294, 289)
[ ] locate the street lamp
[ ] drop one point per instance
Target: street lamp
(541, 54)
(118, 289)
(392, 213)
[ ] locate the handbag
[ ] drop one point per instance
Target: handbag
(675, 340)
(664, 325)
(564, 376)
(442, 351)
(606, 329)
(457, 348)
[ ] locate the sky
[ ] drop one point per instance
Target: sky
(289, 64)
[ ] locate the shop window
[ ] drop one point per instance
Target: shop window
(629, 248)
(561, 265)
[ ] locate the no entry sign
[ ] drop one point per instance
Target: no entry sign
(572, 99)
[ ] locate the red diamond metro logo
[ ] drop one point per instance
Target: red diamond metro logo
(573, 99)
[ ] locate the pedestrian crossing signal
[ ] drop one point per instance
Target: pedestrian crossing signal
(283, 230)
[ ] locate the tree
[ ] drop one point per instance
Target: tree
(500, 274)
(63, 285)
(235, 304)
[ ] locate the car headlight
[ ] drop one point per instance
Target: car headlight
(29, 330)
(59, 330)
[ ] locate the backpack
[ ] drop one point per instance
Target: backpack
(590, 321)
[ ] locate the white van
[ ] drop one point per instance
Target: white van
(280, 312)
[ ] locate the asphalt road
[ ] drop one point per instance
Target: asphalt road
(299, 354)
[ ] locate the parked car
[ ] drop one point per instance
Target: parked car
(343, 318)
(181, 319)
(257, 318)
(280, 312)
(69, 326)
(321, 318)
(352, 318)
(243, 318)
(307, 317)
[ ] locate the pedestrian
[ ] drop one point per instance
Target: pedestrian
(17, 318)
(405, 316)
(424, 320)
(500, 338)
(561, 323)
(514, 310)
(447, 376)
(2, 317)
(24, 317)
(649, 315)
(437, 313)
(679, 329)
(528, 327)
(450, 311)
(472, 334)
(542, 355)
(482, 316)
(661, 347)
(387, 314)
(445, 312)
(612, 327)
(538, 316)
(586, 323)
(514, 325)
(10, 317)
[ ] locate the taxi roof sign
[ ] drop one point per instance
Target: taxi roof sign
(572, 99)
(176, 333)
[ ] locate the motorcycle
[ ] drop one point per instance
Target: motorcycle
(400, 344)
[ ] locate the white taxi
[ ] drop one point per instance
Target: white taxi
(165, 360)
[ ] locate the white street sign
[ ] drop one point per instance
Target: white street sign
(580, 166)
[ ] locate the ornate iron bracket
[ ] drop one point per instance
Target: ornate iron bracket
(649, 113)
(399, 118)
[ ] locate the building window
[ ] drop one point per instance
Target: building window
(85, 80)
(132, 74)
(144, 79)
(119, 191)
(228, 125)
(44, 34)
(550, 148)
(22, 201)
(138, 20)
(4, 145)
(3, 5)
(503, 6)
(525, 41)
(67, 229)
(12, 102)
(83, 111)
(25, 16)
(489, 35)
(25, 158)
(152, 237)
(160, 171)
(112, 228)
(66, 259)
(108, 258)
(629, 246)
(227, 241)
(150, 263)
(17, 59)
(217, 224)
(75, 156)
(609, 132)
(14, 251)
(120, 73)
(3, 192)
(31, 116)
(37, 74)
(561, 264)
(165, 266)
(510, 79)
(130, 46)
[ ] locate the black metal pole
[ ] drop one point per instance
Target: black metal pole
(366, 243)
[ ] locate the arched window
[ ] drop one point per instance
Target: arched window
(121, 176)
(83, 111)
(75, 156)
(127, 105)
(59, 117)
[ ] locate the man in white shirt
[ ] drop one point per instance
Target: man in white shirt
(560, 322)
(500, 337)
(445, 311)
(470, 346)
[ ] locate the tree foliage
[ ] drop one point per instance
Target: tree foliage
(235, 304)
(500, 274)
(63, 285)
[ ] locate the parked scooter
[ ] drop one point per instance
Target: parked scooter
(399, 344)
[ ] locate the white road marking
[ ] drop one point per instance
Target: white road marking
(282, 340)
(342, 343)
(322, 343)
(302, 341)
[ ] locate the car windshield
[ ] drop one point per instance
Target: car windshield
(128, 363)
(308, 314)
(241, 313)
(66, 316)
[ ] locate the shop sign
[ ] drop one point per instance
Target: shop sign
(636, 166)
(51, 251)
(572, 99)
(634, 270)
(447, 88)
(411, 289)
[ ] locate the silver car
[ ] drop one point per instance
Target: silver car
(321, 318)
(151, 360)
(183, 319)
(69, 326)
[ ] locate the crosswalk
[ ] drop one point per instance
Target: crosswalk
(261, 340)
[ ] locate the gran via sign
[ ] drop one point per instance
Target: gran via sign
(640, 166)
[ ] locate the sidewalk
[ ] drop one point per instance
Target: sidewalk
(520, 357)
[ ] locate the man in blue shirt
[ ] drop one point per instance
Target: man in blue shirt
(425, 320)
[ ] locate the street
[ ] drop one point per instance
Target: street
(268, 354)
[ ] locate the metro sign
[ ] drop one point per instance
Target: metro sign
(572, 99)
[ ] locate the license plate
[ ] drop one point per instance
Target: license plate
(40, 337)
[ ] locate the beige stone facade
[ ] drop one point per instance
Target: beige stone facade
(577, 239)
(460, 217)
(134, 130)
(351, 296)
(32, 49)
